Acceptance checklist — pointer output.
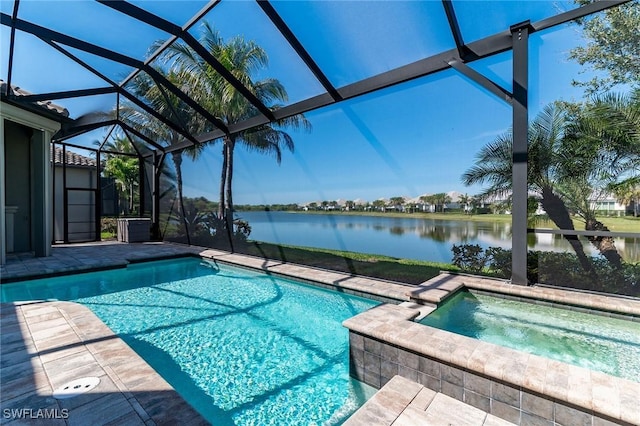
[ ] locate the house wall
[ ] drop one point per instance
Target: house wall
(38, 189)
(17, 191)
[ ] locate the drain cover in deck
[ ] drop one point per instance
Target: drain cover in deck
(76, 387)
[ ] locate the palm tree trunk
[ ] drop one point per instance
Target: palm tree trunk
(176, 156)
(558, 213)
(131, 196)
(223, 179)
(228, 208)
(605, 245)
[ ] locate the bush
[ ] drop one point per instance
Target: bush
(109, 225)
(469, 257)
(560, 269)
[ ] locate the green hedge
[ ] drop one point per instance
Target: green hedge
(545, 267)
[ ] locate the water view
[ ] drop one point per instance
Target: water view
(410, 237)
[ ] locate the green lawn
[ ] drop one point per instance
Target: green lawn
(384, 267)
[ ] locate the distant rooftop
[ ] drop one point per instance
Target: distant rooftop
(73, 158)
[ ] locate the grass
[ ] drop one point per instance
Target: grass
(617, 224)
(377, 266)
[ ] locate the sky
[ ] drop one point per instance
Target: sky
(411, 139)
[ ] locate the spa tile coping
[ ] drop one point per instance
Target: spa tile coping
(402, 402)
(431, 291)
(612, 396)
(48, 344)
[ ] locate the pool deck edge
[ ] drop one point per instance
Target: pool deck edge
(48, 344)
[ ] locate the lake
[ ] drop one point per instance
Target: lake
(410, 237)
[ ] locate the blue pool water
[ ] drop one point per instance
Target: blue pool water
(241, 346)
(592, 341)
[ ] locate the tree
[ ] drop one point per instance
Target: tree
(379, 204)
(440, 200)
(425, 200)
(465, 200)
(613, 48)
(603, 151)
(397, 203)
(494, 166)
(171, 107)
(123, 168)
(244, 59)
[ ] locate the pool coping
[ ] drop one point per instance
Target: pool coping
(358, 285)
(48, 344)
(393, 328)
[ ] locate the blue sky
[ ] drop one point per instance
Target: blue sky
(411, 139)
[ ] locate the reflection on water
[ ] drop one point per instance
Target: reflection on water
(411, 238)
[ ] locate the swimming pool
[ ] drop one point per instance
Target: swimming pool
(596, 342)
(241, 346)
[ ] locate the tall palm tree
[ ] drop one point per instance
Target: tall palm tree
(173, 108)
(494, 166)
(244, 59)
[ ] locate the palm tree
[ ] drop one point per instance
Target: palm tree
(397, 203)
(426, 200)
(244, 59)
(494, 166)
(603, 144)
(441, 199)
(465, 200)
(173, 108)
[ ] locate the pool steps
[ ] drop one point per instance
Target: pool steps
(402, 402)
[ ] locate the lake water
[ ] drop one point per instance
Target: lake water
(410, 237)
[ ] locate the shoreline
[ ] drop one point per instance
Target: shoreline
(614, 223)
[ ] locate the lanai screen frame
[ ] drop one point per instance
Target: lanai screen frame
(515, 38)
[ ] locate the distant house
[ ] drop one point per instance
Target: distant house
(607, 204)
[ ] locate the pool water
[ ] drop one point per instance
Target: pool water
(592, 341)
(241, 346)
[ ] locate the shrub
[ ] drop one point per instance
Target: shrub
(109, 225)
(469, 257)
(545, 267)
